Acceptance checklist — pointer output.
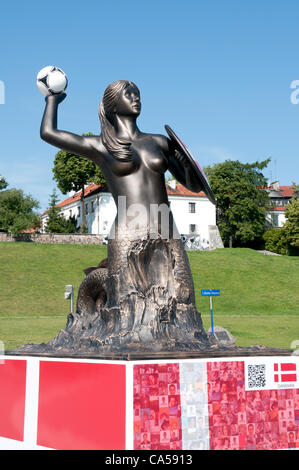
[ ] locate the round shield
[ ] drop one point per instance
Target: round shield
(197, 180)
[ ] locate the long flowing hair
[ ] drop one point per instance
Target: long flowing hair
(119, 148)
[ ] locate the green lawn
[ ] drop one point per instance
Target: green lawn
(259, 301)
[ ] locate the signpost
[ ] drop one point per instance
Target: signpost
(211, 293)
(69, 294)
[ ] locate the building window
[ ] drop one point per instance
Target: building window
(192, 228)
(79, 211)
(277, 202)
(70, 213)
(92, 206)
(86, 209)
(192, 207)
(274, 220)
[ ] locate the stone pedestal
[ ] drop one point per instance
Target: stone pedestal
(215, 238)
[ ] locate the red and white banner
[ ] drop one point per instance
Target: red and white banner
(62, 404)
(220, 404)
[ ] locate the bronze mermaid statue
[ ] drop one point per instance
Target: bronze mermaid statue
(141, 298)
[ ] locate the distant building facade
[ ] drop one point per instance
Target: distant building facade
(193, 212)
(279, 196)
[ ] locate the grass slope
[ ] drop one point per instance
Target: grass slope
(259, 301)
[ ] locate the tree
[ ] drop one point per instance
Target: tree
(295, 188)
(72, 173)
(290, 229)
(241, 200)
(3, 183)
(56, 222)
(285, 240)
(17, 211)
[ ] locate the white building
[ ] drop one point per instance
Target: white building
(279, 196)
(194, 214)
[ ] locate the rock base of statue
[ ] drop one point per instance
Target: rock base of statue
(119, 331)
(140, 299)
(64, 346)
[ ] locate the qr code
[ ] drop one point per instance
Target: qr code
(256, 376)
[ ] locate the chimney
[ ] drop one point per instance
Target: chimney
(172, 184)
(275, 186)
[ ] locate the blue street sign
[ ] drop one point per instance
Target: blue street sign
(210, 292)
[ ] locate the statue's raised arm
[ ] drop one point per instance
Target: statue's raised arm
(77, 144)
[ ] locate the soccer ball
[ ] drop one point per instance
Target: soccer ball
(51, 80)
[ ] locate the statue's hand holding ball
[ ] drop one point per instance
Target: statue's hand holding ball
(52, 81)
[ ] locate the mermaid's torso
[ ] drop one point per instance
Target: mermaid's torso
(140, 180)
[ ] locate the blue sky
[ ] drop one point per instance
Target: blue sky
(218, 72)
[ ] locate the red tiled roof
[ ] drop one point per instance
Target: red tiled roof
(92, 188)
(286, 191)
(77, 196)
(31, 229)
(180, 190)
(278, 208)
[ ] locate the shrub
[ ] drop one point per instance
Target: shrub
(274, 241)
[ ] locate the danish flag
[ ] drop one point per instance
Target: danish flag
(285, 372)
